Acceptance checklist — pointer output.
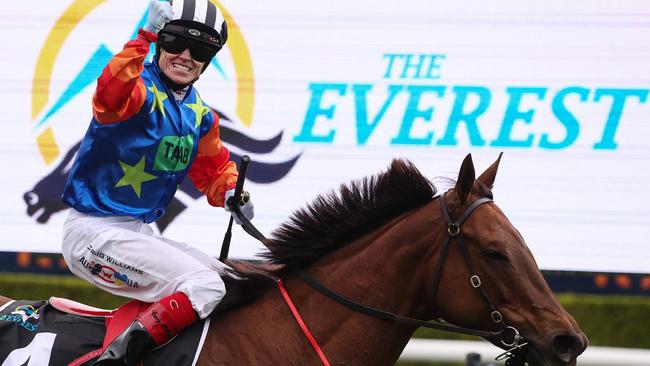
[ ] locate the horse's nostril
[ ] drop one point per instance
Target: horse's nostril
(566, 347)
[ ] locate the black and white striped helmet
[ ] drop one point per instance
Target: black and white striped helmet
(200, 20)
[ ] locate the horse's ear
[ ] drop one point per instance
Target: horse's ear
(490, 173)
(465, 178)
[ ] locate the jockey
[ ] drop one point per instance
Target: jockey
(150, 128)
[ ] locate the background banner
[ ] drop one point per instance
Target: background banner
(319, 94)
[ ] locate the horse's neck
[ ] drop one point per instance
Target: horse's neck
(368, 275)
(376, 270)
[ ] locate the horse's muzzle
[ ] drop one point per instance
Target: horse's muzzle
(564, 351)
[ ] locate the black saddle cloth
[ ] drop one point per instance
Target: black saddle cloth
(35, 333)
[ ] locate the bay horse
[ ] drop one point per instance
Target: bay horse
(391, 243)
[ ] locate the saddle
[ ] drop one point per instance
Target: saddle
(77, 308)
(116, 320)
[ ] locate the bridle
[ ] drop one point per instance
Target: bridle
(509, 336)
(517, 352)
(454, 234)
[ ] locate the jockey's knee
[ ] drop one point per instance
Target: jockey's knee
(205, 291)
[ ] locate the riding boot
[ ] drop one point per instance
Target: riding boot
(154, 327)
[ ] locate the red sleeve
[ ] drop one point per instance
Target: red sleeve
(120, 90)
(212, 171)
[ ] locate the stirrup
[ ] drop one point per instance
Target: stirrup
(129, 348)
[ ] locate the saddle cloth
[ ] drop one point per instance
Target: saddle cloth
(37, 333)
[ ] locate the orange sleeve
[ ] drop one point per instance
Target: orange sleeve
(120, 90)
(212, 171)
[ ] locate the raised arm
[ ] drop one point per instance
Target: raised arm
(120, 89)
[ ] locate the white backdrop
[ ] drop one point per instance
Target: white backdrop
(560, 87)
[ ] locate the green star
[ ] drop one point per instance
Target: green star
(199, 110)
(134, 176)
(158, 98)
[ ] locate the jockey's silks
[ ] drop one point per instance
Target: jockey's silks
(142, 142)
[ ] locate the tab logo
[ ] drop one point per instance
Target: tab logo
(174, 153)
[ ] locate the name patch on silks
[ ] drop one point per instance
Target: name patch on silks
(35, 333)
(174, 153)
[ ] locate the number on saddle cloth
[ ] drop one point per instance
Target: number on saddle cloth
(44, 335)
(35, 331)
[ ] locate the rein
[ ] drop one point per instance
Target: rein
(453, 234)
(381, 314)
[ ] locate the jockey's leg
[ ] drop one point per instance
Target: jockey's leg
(155, 327)
(124, 257)
(208, 261)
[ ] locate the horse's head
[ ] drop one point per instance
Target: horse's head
(387, 243)
(508, 279)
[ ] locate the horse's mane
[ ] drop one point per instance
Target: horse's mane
(334, 219)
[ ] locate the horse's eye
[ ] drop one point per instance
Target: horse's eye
(494, 255)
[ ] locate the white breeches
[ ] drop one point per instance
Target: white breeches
(124, 256)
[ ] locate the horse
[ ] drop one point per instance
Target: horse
(391, 244)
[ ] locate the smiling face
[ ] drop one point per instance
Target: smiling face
(181, 68)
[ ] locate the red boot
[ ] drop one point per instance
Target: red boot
(155, 327)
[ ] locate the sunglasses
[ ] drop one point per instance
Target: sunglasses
(176, 44)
